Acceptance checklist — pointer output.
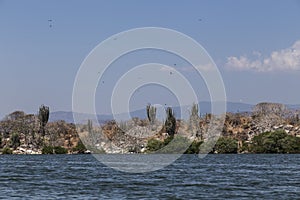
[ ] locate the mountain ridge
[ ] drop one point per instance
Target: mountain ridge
(204, 107)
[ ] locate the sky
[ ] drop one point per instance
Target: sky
(255, 45)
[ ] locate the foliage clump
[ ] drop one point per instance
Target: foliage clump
(226, 145)
(6, 150)
(54, 150)
(15, 140)
(154, 145)
(275, 142)
(79, 148)
(171, 145)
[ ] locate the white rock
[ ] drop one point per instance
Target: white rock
(287, 131)
(87, 152)
(289, 126)
(22, 149)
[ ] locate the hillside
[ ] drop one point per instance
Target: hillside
(21, 132)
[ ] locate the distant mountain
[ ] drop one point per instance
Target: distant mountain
(239, 107)
(204, 107)
(293, 107)
(68, 117)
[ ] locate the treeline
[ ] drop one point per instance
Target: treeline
(268, 142)
(275, 142)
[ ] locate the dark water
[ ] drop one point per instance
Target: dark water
(214, 177)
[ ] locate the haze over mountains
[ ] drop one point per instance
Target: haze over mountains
(204, 107)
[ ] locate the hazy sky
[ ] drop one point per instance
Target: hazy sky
(255, 44)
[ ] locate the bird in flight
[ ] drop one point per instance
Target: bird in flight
(50, 22)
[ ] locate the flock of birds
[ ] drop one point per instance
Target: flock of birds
(50, 22)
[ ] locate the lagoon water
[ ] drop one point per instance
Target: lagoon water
(213, 177)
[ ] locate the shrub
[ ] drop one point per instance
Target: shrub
(154, 145)
(15, 140)
(244, 148)
(226, 145)
(6, 150)
(79, 148)
(60, 150)
(275, 142)
(194, 148)
(177, 145)
(47, 150)
(54, 150)
(174, 144)
(290, 144)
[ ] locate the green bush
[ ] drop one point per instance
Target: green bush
(177, 145)
(47, 150)
(6, 150)
(60, 150)
(290, 144)
(226, 145)
(194, 148)
(80, 148)
(154, 145)
(244, 148)
(174, 144)
(275, 142)
(54, 150)
(15, 140)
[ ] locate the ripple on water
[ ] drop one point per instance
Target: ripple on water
(214, 177)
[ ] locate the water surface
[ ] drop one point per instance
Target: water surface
(214, 177)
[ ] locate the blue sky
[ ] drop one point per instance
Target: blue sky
(253, 43)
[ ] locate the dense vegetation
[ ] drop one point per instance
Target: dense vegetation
(179, 144)
(176, 144)
(275, 142)
(269, 142)
(54, 150)
(6, 150)
(226, 145)
(79, 148)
